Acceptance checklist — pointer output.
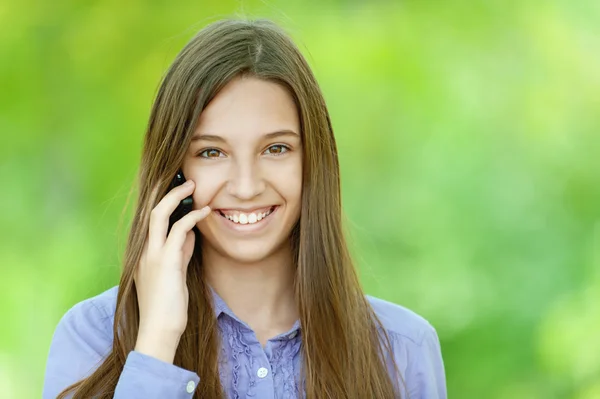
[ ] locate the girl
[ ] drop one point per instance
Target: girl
(252, 293)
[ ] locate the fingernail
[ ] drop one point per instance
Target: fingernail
(188, 182)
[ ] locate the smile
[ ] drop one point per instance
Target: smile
(247, 218)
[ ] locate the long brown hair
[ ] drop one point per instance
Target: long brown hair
(344, 345)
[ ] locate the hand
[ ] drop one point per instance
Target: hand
(160, 278)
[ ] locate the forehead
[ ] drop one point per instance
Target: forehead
(247, 108)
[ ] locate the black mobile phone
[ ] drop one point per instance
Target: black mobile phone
(185, 206)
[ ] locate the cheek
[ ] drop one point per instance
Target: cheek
(208, 183)
(287, 178)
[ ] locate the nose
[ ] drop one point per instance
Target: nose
(245, 181)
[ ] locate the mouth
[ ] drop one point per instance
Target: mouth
(255, 217)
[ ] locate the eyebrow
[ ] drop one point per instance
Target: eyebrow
(219, 139)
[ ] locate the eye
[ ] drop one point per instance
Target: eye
(210, 153)
(277, 149)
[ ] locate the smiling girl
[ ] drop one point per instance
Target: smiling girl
(253, 293)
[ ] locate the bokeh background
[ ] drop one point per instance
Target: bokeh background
(469, 140)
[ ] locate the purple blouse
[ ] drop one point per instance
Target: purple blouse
(83, 338)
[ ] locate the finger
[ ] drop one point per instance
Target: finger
(180, 228)
(159, 216)
(188, 249)
(141, 262)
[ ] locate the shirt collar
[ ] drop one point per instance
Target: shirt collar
(219, 307)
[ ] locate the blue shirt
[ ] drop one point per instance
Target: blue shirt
(84, 335)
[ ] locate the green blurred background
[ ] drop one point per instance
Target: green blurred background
(469, 140)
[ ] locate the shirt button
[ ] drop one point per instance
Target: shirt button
(190, 387)
(262, 372)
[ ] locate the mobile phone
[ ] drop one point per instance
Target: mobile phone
(185, 206)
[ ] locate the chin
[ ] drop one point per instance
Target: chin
(248, 252)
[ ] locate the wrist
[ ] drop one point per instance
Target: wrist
(159, 345)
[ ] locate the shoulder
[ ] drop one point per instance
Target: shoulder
(92, 316)
(103, 303)
(416, 349)
(81, 340)
(401, 322)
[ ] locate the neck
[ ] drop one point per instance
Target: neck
(260, 293)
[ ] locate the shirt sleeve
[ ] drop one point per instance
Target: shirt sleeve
(426, 377)
(81, 342)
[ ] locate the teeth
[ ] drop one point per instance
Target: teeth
(247, 218)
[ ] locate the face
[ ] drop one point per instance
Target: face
(246, 161)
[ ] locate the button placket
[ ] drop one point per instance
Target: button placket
(262, 372)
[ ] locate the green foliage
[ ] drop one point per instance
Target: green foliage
(469, 142)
